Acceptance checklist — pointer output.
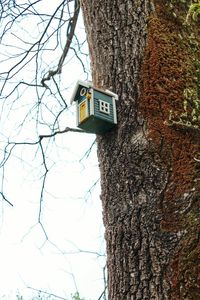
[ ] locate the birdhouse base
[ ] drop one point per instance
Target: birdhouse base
(96, 125)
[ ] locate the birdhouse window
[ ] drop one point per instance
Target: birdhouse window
(104, 107)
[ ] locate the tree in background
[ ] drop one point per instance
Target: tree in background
(148, 53)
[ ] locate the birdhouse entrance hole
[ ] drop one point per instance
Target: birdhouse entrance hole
(83, 91)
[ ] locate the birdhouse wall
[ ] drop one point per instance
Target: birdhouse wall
(111, 116)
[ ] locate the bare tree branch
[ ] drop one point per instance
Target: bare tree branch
(70, 34)
(9, 149)
(67, 129)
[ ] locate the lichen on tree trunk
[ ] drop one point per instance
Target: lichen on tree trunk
(149, 164)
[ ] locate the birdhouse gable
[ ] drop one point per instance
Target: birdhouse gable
(80, 90)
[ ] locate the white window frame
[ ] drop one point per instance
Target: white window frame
(104, 107)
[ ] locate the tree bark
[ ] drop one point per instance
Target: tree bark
(149, 164)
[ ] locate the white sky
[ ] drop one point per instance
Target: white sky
(71, 216)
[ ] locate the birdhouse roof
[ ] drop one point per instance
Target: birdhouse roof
(88, 84)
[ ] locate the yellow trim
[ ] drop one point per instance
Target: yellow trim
(83, 111)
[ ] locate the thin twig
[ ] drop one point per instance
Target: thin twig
(87, 153)
(49, 294)
(5, 199)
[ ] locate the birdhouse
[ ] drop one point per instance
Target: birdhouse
(95, 108)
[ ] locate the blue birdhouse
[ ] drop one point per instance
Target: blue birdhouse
(95, 108)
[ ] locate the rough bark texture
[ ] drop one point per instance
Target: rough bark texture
(149, 164)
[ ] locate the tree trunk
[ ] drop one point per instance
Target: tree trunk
(149, 164)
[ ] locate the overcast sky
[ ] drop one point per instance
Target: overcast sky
(72, 257)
